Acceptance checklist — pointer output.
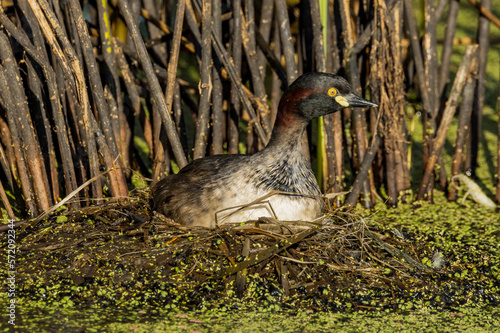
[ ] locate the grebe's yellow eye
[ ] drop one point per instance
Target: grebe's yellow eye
(332, 92)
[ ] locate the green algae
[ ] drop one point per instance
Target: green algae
(463, 295)
(469, 319)
(464, 319)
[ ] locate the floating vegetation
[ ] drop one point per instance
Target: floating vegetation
(121, 254)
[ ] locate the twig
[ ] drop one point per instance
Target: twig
(448, 113)
(483, 33)
(462, 131)
(205, 86)
(55, 207)
(265, 254)
(217, 93)
(154, 85)
(486, 12)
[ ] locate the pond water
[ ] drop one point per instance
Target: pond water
(52, 319)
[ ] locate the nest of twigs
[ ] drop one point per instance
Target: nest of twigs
(122, 251)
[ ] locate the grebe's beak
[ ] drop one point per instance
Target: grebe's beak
(353, 100)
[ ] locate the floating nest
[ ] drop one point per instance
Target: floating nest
(124, 254)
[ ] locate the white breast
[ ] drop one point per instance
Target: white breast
(282, 207)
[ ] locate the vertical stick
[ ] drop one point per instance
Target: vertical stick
(252, 59)
(6, 203)
(286, 40)
(318, 16)
(50, 78)
(155, 86)
(458, 85)
(430, 57)
(174, 53)
(462, 131)
(205, 86)
(153, 6)
(217, 115)
(332, 123)
(22, 168)
(236, 51)
(266, 19)
(117, 178)
(416, 51)
(19, 115)
(333, 54)
(359, 124)
(451, 24)
(275, 90)
(160, 155)
(73, 72)
(112, 89)
(39, 111)
(6, 159)
(483, 37)
(364, 168)
(42, 130)
(131, 89)
(178, 114)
